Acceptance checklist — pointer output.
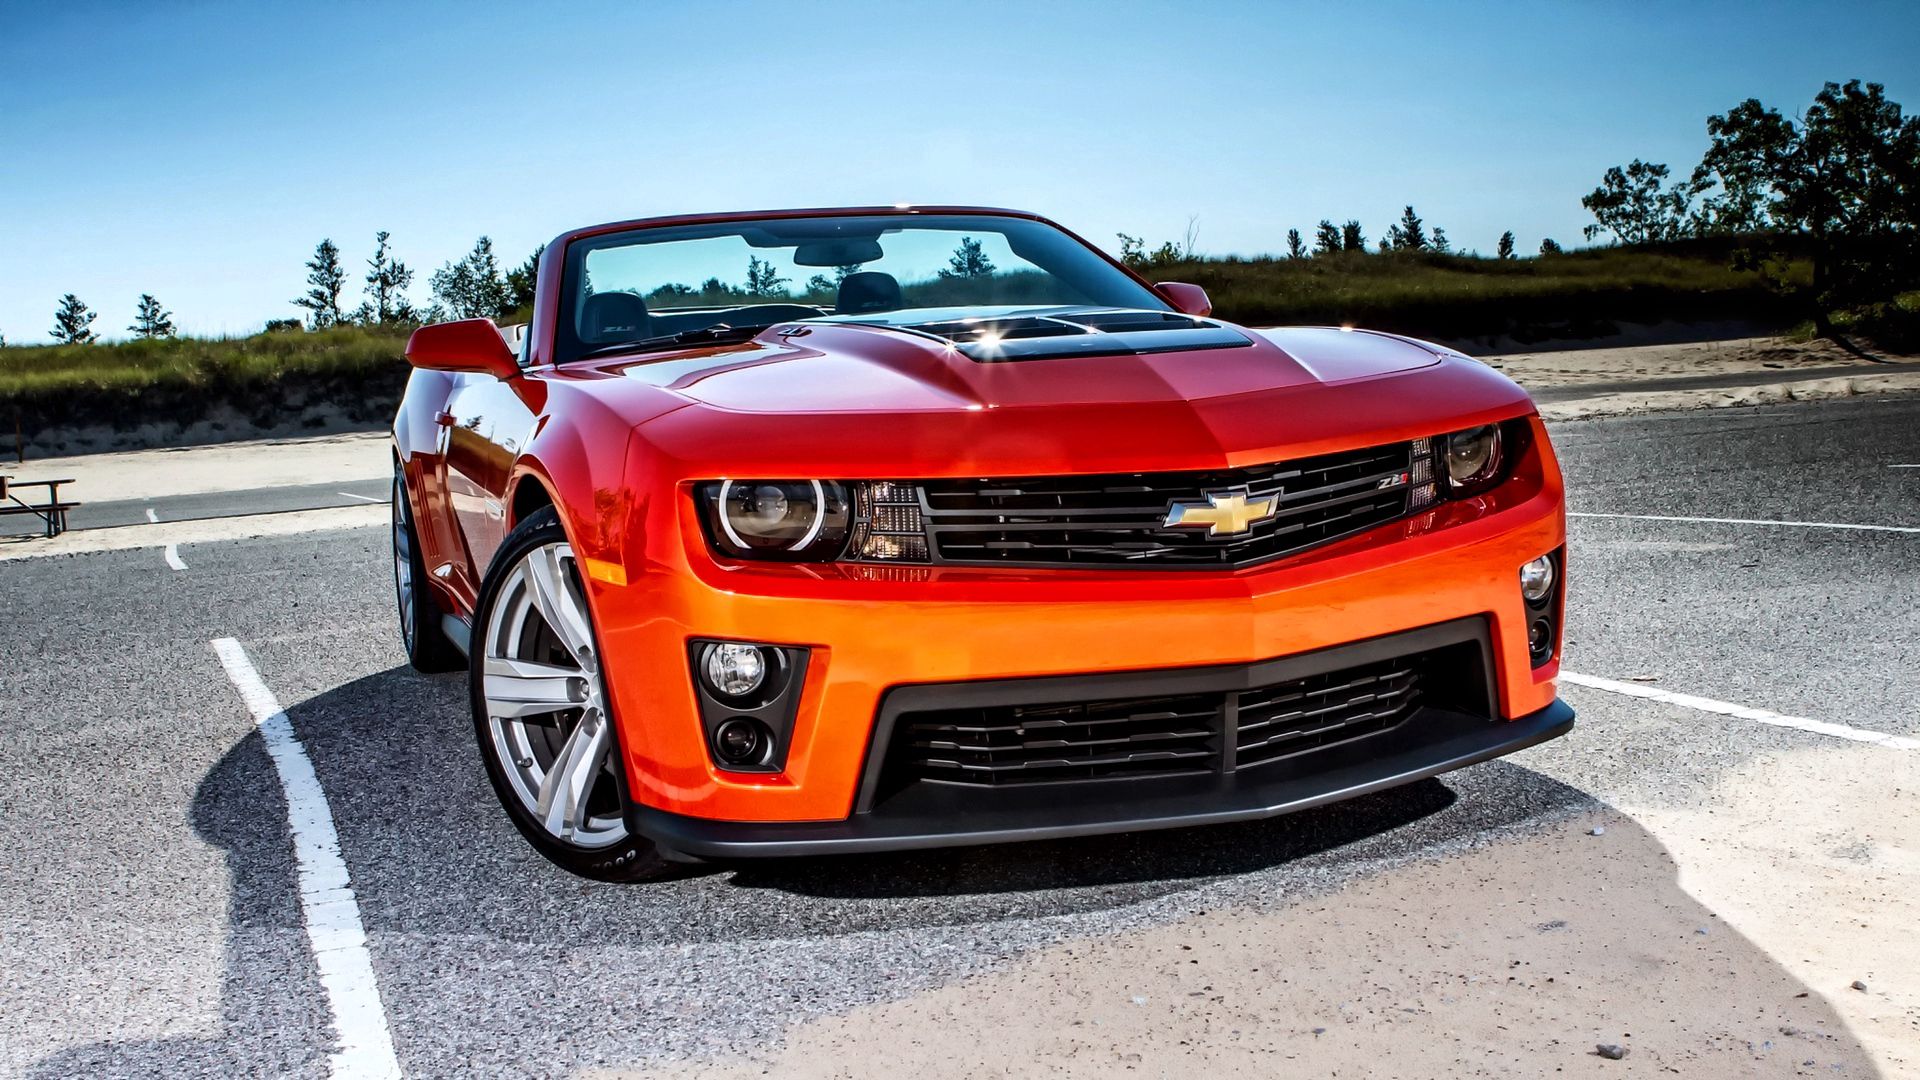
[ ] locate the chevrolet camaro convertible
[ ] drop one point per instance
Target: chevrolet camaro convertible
(851, 530)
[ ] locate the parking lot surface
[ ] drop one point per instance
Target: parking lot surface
(1745, 872)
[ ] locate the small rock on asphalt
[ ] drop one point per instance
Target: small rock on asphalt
(1860, 986)
(1597, 830)
(1610, 1051)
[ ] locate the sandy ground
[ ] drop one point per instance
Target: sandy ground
(1718, 940)
(1575, 367)
(236, 466)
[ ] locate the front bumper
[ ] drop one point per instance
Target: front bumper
(873, 631)
(1431, 742)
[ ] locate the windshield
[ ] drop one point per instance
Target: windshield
(650, 286)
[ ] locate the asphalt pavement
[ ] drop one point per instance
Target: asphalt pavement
(150, 922)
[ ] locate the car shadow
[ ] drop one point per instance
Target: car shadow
(456, 904)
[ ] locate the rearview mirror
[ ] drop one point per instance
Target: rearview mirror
(1186, 299)
(466, 345)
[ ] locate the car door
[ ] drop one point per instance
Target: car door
(484, 427)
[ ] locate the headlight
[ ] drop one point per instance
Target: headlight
(1473, 459)
(776, 519)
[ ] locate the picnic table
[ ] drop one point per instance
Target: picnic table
(52, 513)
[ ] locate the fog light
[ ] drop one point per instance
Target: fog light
(1536, 579)
(1540, 637)
(733, 669)
(739, 741)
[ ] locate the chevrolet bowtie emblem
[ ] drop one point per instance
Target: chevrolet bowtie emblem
(1226, 513)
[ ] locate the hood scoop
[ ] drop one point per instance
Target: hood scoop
(1092, 333)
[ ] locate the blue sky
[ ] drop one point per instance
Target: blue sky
(199, 151)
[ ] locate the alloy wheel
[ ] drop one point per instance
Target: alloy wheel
(546, 701)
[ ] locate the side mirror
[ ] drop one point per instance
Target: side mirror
(1186, 299)
(467, 345)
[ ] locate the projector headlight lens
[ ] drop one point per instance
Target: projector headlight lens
(1473, 459)
(733, 669)
(1536, 579)
(776, 519)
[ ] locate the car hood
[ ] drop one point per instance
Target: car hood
(1190, 393)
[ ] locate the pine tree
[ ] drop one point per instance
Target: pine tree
(73, 322)
(1440, 243)
(472, 288)
(1326, 238)
(387, 281)
(522, 279)
(1549, 246)
(968, 261)
(1410, 234)
(1296, 248)
(763, 279)
(1505, 251)
(150, 321)
(1351, 238)
(325, 279)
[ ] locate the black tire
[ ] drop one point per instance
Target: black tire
(634, 858)
(427, 646)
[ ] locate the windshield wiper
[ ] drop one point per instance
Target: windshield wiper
(702, 335)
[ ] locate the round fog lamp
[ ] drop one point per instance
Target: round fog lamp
(733, 669)
(738, 741)
(1536, 579)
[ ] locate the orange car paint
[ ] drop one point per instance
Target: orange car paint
(617, 445)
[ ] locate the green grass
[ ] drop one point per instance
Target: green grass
(272, 378)
(264, 377)
(1578, 294)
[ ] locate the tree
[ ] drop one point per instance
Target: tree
(1505, 250)
(472, 288)
(1636, 206)
(1440, 244)
(1296, 248)
(1410, 234)
(763, 279)
(1846, 175)
(73, 322)
(522, 279)
(387, 281)
(1549, 246)
(325, 279)
(150, 321)
(282, 326)
(1326, 238)
(968, 261)
(1351, 239)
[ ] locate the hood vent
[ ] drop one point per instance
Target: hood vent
(1090, 333)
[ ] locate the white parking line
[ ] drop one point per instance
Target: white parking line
(173, 557)
(351, 495)
(152, 518)
(327, 904)
(1755, 521)
(1758, 716)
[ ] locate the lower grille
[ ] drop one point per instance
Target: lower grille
(1141, 737)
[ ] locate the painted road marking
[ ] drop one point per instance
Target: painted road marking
(1757, 521)
(1903, 466)
(1758, 716)
(173, 557)
(351, 495)
(327, 904)
(152, 517)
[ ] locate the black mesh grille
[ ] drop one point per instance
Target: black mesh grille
(1293, 718)
(1120, 520)
(1152, 736)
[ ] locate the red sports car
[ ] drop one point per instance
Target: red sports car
(838, 530)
